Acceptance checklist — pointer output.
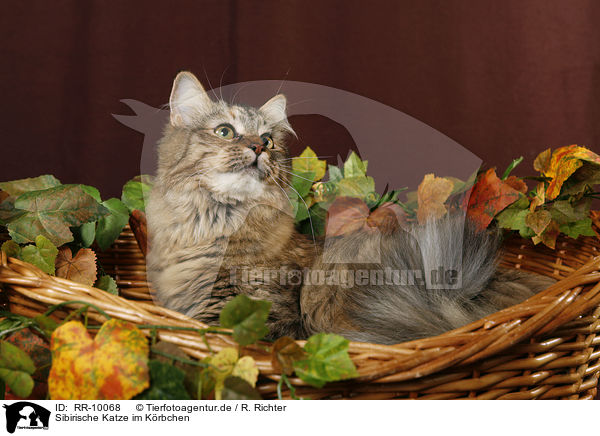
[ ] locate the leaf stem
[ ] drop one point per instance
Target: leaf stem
(53, 308)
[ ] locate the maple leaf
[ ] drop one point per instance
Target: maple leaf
(432, 194)
(112, 366)
(51, 212)
(308, 162)
(489, 196)
(80, 269)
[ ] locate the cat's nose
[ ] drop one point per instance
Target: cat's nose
(256, 148)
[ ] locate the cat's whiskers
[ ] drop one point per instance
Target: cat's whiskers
(305, 157)
(294, 174)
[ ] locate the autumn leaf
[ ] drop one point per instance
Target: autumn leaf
(11, 249)
(517, 184)
(18, 187)
(583, 227)
(354, 166)
(549, 236)
(38, 351)
(346, 215)
(284, 353)
(228, 363)
(432, 194)
(80, 269)
(489, 196)
(236, 388)
(563, 163)
(308, 162)
(539, 197)
(513, 218)
(542, 161)
(387, 218)
(359, 187)
(112, 366)
(538, 221)
(51, 212)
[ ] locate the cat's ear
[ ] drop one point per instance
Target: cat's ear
(274, 109)
(188, 99)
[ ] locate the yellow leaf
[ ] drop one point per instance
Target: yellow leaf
(540, 196)
(542, 161)
(308, 162)
(432, 193)
(112, 366)
(564, 162)
(227, 362)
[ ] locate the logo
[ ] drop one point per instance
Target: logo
(26, 415)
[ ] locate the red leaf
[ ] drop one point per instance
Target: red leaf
(490, 196)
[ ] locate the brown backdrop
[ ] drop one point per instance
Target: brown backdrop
(503, 78)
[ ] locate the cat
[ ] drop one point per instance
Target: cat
(220, 224)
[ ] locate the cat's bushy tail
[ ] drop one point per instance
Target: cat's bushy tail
(446, 274)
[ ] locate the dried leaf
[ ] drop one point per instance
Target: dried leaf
(80, 269)
(387, 218)
(517, 184)
(490, 195)
(538, 221)
(18, 187)
(432, 194)
(549, 236)
(564, 162)
(542, 161)
(346, 215)
(539, 196)
(284, 353)
(113, 366)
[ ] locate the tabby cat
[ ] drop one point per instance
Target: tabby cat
(220, 225)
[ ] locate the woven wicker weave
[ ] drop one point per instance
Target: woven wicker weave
(546, 347)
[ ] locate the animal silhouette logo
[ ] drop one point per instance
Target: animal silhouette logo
(26, 415)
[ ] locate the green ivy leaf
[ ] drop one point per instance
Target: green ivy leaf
(247, 318)
(354, 166)
(579, 228)
(308, 162)
(514, 216)
(110, 226)
(564, 212)
(8, 211)
(16, 369)
(236, 388)
(18, 187)
(135, 191)
(328, 360)
(166, 383)
(51, 212)
(42, 254)
(359, 187)
(335, 174)
(85, 234)
(108, 284)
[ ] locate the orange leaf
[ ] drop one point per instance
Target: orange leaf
(285, 351)
(346, 215)
(387, 218)
(112, 366)
(539, 198)
(80, 269)
(564, 162)
(432, 194)
(516, 183)
(489, 197)
(542, 161)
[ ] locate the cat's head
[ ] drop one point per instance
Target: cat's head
(236, 153)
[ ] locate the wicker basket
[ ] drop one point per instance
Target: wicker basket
(546, 347)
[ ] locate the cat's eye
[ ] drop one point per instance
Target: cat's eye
(268, 141)
(225, 131)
